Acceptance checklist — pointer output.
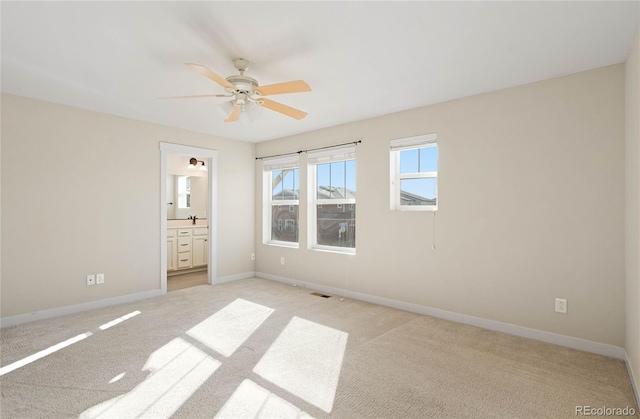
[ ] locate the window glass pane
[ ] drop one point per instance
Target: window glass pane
(296, 182)
(418, 191)
(337, 179)
(351, 178)
(276, 184)
(284, 223)
(409, 161)
(284, 184)
(337, 225)
(324, 182)
(429, 159)
(287, 179)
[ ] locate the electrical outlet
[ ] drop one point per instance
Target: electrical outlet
(561, 305)
(282, 260)
(100, 279)
(253, 256)
(91, 279)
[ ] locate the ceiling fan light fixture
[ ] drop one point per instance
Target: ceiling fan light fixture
(252, 111)
(225, 108)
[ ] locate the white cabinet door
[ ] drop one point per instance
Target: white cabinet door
(200, 251)
(171, 255)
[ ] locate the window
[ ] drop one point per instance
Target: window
(184, 192)
(414, 173)
(281, 189)
(332, 178)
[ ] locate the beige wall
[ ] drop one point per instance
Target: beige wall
(89, 203)
(632, 153)
(531, 207)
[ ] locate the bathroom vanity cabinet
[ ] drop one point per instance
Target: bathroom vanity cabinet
(187, 248)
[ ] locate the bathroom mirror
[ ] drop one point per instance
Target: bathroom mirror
(186, 190)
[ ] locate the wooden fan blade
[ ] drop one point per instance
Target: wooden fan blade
(283, 109)
(280, 88)
(192, 96)
(210, 74)
(235, 114)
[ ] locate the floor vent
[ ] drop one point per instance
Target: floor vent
(319, 294)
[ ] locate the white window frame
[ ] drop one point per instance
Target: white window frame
(410, 143)
(269, 165)
(313, 160)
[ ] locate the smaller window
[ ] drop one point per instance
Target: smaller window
(414, 173)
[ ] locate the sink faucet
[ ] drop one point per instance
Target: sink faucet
(194, 219)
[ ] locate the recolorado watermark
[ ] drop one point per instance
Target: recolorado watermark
(604, 411)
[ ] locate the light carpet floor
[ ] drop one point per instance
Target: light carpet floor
(256, 348)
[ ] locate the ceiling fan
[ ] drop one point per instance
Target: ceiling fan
(246, 93)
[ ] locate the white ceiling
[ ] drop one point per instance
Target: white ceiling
(361, 59)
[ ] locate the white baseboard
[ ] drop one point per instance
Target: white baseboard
(235, 277)
(512, 329)
(76, 308)
(632, 377)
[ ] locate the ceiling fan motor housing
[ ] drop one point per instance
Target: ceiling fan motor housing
(242, 83)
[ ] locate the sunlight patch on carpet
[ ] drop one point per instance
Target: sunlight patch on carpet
(253, 401)
(226, 330)
(119, 320)
(43, 353)
(178, 369)
(117, 377)
(306, 360)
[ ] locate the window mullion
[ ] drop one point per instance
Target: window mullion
(285, 202)
(335, 201)
(344, 170)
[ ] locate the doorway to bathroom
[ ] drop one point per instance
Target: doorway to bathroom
(188, 214)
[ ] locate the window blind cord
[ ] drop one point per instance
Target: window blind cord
(346, 283)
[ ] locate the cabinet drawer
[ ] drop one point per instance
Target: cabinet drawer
(184, 244)
(171, 233)
(184, 260)
(200, 231)
(184, 232)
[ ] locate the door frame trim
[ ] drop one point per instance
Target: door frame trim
(211, 158)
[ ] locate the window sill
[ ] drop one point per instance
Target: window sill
(338, 250)
(417, 208)
(283, 244)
